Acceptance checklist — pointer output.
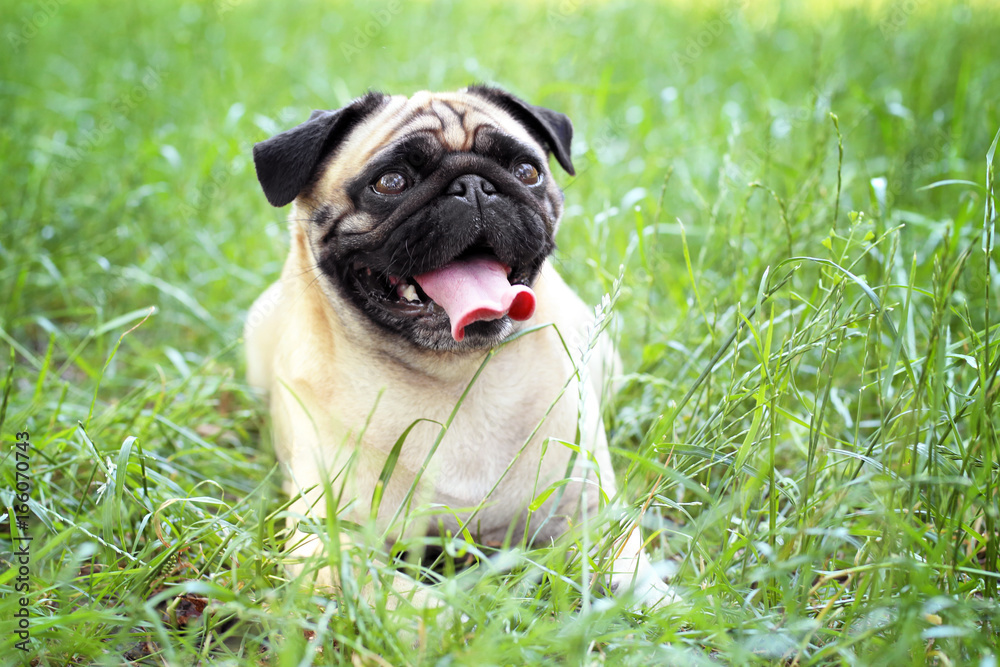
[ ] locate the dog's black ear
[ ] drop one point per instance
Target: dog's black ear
(552, 129)
(287, 162)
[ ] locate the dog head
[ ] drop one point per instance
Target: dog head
(429, 216)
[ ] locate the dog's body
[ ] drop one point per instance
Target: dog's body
(354, 389)
(353, 355)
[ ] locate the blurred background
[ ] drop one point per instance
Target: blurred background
(127, 134)
(819, 461)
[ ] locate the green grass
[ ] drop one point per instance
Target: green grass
(809, 332)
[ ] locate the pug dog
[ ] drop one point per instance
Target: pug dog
(418, 305)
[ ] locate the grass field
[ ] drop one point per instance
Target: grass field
(808, 329)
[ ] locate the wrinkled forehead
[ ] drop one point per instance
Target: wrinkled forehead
(453, 118)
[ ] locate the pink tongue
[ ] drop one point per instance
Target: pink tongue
(476, 289)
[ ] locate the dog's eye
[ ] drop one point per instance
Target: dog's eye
(527, 174)
(390, 183)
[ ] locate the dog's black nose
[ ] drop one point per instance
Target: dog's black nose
(471, 188)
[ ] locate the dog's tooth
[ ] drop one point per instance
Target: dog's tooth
(408, 292)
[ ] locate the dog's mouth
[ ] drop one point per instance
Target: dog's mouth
(476, 286)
